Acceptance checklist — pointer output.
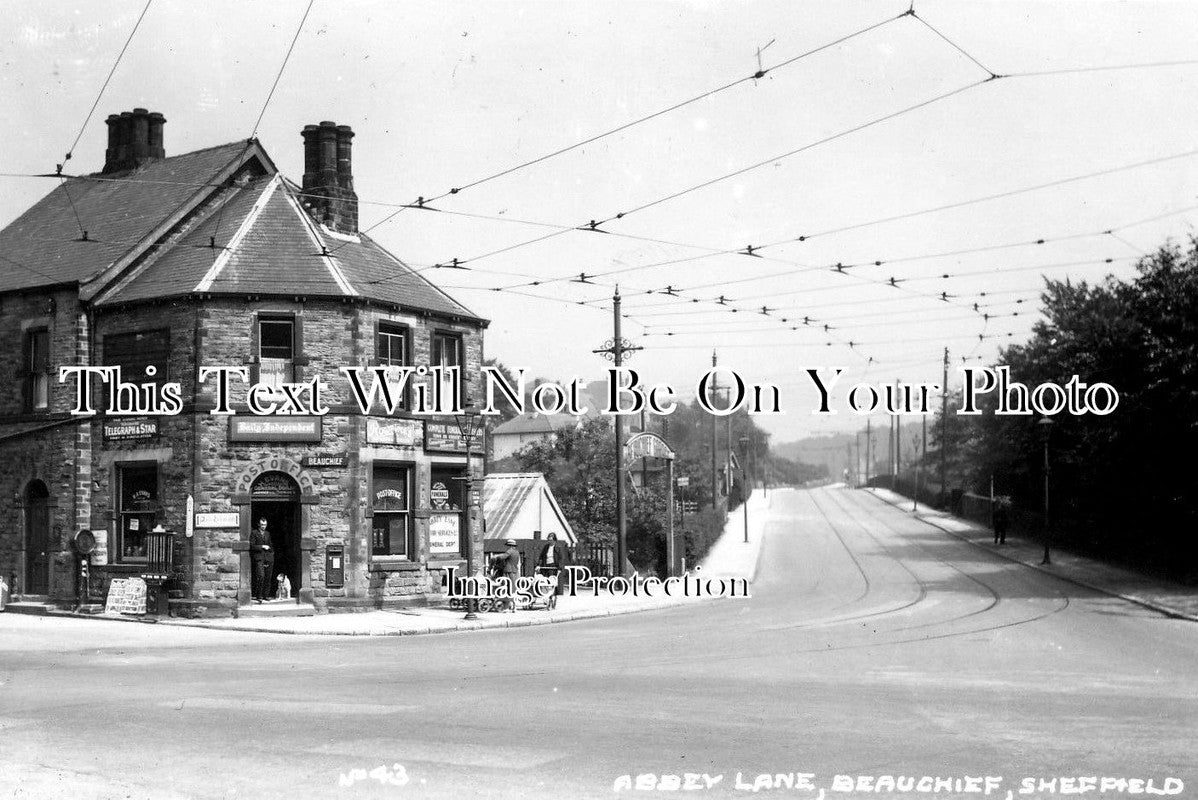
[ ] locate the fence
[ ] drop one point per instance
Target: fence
(598, 558)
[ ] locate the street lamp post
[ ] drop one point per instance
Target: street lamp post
(1044, 426)
(744, 476)
(469, 423)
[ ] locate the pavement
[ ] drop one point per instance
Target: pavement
(1166, 597)
(730, 556)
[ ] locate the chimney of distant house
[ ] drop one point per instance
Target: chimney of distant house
(328, 176)
(134, 137)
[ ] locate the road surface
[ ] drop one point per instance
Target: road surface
(873, 646)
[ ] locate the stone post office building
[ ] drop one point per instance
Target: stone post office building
(161, 265)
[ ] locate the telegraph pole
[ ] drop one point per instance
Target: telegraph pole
(869, 447)
(616, 349)
(898, 431)
(944, 433)
(715, 492)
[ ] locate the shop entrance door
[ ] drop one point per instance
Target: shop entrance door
(275, 498)
(37, 539)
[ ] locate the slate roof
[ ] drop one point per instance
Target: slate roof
(116, 212)
(265, 242)
(534, 422)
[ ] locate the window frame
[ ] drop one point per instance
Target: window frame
(150, 517)
(291, 372)
(29, 374)
(454, 476)
(460, 340)
(408, 514)
(390, 328)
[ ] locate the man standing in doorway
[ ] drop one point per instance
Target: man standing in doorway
(262, 559)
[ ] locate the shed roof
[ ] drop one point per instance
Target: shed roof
(506, 496)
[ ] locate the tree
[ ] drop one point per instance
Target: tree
(1116, 485)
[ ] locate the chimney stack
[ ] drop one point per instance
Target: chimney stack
(134, 137)
(328, 176)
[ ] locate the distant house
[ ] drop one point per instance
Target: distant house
(516, 433)
(521, 506)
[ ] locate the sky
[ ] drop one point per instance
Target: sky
(845, 147)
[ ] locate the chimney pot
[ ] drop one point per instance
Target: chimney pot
(141, 137)
(134, 137)
(328, 176)
(157, 149)
(114, 140)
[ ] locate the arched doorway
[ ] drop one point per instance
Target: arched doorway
(275, 497)
(37, 538)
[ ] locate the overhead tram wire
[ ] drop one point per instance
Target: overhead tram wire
(682, 104)
(1111, 68)
(909, 215)
(801, 238)
(803, 268)
(775, 67)
(279, 75)
(83, 236)
(989, 197)
(954, 45)
(712, 181)
(991, 76)
(104, 86)
(422, 201)
(966, 251)
(950, 337)
(28, 268)
(594, 224)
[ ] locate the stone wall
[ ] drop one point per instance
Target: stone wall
(196, 459)
(40, 445)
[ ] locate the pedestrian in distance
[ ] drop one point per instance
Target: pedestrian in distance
(262, 559)
(1001, 520)
(550, 564)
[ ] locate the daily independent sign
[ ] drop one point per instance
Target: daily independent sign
(274, 429)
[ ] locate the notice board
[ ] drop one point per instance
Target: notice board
(126, 596)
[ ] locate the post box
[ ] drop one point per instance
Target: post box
(334, 566)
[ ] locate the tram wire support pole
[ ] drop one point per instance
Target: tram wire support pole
(616, 349)
(469, 424)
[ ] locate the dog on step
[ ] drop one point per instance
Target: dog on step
(283, 592)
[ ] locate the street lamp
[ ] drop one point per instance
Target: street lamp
(469, 424)
(1044, 427)
(744, 476)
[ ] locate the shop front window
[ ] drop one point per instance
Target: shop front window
(139, 509)
(391, 524)
(446, 520)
